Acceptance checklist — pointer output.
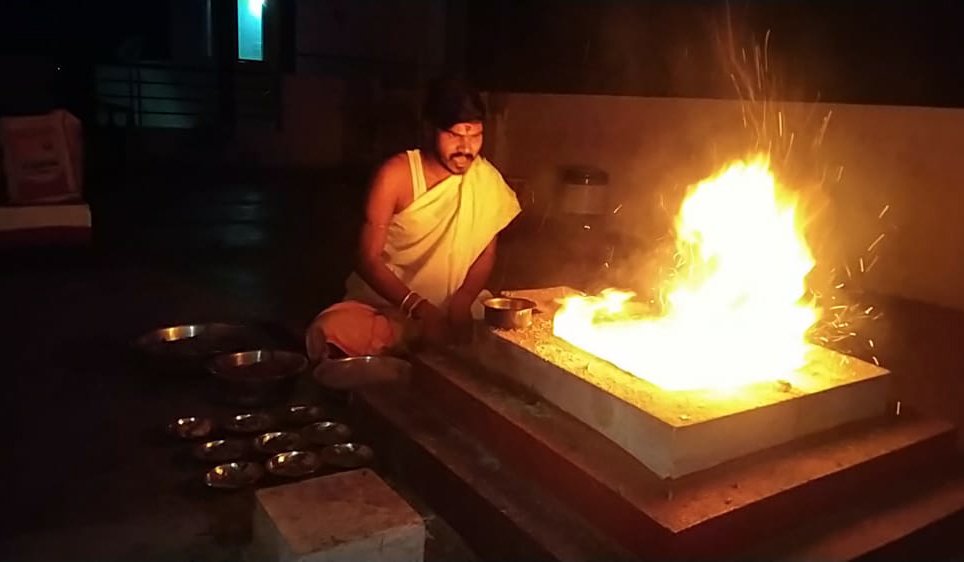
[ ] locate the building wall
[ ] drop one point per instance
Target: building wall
(401, 31)
(352, 98)
(310, 133)
(905, 158)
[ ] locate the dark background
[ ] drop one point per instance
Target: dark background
(854, 51)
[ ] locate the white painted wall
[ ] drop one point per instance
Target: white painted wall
(909, 158)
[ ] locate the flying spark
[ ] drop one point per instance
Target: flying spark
(875, 242)
(789, 146)
(823, 129)
(766, 54)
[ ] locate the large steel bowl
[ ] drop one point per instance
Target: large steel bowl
(184, 348)
(259, 365)
(256, 376)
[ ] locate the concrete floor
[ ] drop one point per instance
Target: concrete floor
(87, 475)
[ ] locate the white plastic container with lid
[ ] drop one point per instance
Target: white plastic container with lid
(584, 190)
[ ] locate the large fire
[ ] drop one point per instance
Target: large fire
(735, 312)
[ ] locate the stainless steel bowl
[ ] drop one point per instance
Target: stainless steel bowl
(354, 372)
(294, 464)
(347, 455)
(276, 442)
(255, 377)
(255, 422)
(221, 450)
(191, 427)
(233, 475)
(199, 340)
(508, 313)
(257, 366)
(326, 433)
(300, 414)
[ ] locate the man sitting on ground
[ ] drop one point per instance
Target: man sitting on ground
(428, 243)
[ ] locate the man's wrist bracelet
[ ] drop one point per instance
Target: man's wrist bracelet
(403, 306)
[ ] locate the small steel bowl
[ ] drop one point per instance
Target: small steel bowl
(258, 366)
(256, 422)
(326, 433)
(191, 427)
(347, 455)
(294, 464)
(300, 414)
(364, 370)
(234, 475)
(221, 450)
(276, 442)
(508, 313)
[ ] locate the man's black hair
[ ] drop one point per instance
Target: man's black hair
(450, 101)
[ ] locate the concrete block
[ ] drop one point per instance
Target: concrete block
(346, 516)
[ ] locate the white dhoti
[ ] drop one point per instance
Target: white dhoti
(430, 246)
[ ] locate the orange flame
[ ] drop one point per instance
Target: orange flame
(734, 313)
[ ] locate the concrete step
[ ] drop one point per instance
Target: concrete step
(914, 521)
(718, 512)
(498, 514)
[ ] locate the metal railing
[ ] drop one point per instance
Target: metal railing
(182, 96)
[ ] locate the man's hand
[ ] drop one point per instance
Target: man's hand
(432, 323)
(460, 319)
(460, 305)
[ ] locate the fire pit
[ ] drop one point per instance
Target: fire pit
(723, 367)
(676, 432)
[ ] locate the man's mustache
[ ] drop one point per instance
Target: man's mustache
(462, 154)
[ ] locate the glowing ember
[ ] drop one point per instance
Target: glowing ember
(733, 314)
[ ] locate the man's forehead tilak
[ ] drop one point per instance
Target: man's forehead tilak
(466, 129)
